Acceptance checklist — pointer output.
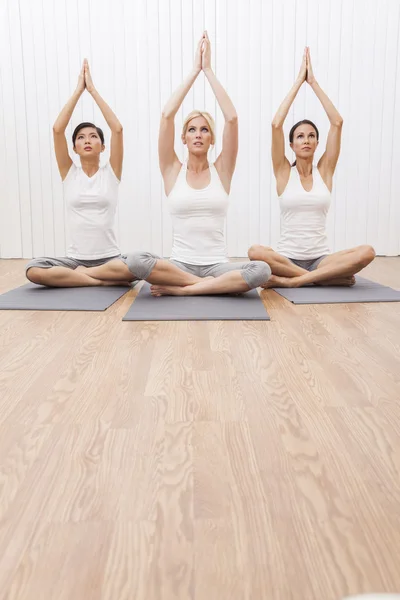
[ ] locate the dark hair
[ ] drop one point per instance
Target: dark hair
(82, 126)
(296, 125)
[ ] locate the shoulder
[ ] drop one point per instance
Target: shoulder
(109, 172)
(172, 175)
(224, 178)
(72, 174)
(325, 175)
(283, 177)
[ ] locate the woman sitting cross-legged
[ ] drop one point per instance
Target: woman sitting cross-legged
(198, 193)
(304, 190)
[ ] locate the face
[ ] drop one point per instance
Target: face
(198, 137)
(88, 142)
(304, 141)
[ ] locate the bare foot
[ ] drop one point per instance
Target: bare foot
(283, 282)
(156, 288)
(168, 290)
(343, 281)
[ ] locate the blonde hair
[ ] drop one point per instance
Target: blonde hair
(199, 113)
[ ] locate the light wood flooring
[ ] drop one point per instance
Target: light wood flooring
(200, 460)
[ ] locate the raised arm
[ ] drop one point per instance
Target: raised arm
(226, 161)
(327, 162)
(166, 140)
(280, 163)
(64, 161)
(117, 143)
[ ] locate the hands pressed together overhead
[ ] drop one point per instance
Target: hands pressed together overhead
(202, 59)
(306, 71)
(85, 79)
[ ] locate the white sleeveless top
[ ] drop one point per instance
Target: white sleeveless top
(198, 220)
(303, 218)
(91, 203)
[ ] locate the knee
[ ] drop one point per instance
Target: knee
(36, 275)
(366, 255)
(258, 273)
(256, 251)
(140, 264)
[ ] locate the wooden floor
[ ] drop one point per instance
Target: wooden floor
(196, 460)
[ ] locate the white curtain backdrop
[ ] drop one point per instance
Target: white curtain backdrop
(139, 51)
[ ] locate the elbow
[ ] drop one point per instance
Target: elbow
(57, 129)
(118, 128)
(276, 124)
(338, 122)
(232, 119)
(167, 115)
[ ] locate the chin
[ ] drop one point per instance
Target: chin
(199, 151)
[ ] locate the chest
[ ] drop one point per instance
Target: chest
(198, 181)
(92, 193)
(307, 183)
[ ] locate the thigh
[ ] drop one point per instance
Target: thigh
(331, 258)
(220, 268)
(98, 262)
(192, 269)
(46, 262)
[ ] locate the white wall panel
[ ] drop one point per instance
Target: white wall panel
(139, 51)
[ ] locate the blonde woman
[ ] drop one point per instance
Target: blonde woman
(198, 192)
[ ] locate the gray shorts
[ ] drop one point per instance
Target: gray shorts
(67, 262)
(310, 264)
(255, 272)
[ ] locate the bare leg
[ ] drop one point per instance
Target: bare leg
(228, 283)
(283, 267)
(342, 264)
(164, 272)
(280, 265)
(64, 277)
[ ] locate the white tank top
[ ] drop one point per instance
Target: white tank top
(198, 220)
(303, 218)
(91, 203)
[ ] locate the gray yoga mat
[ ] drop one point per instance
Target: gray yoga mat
(363, 291)
(245, 307)
(38, 297)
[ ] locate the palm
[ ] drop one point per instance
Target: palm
(303, 69)
(206, 54)
(198, 56)
(310, 73)
(81, 80)
(88, 78)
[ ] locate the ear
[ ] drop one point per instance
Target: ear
(291, 145)
(183, 139)
(74, 149)
(103, 147)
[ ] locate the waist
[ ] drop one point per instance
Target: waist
(92, 244)
(303, 245)
(200, 250)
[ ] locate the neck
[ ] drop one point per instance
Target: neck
(196, 164)
(304, 166)
(90, 166)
